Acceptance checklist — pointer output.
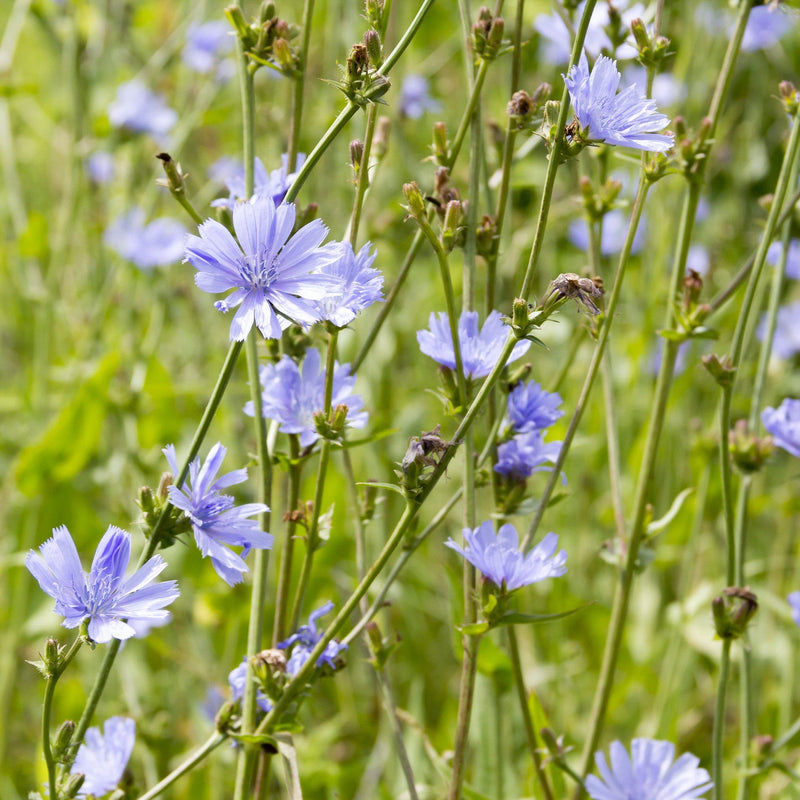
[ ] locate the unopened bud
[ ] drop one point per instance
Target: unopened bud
(370, 497)
(733, 611)
(266, 12)
(496, 34)
(440, 143)
(452, 217)
(62, 740)
(681, 131)
(282, 52)
(356, 154)
(520, 317)
(237, 19)
(692, 286)
(374, 48)
(640, 34)
(146, 500)
(721, 370)
(164, 483)
(378, 86)
(790, 97)
(52, 656)
(749, 452)
(72, 785)
(338, 419)
(416, 205)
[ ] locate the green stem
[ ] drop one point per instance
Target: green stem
(719, 721)
(97, 690)
(191, 761)
(299, 87)
(466, 118)
(466, 698)
(746, 677)
(363, 176)
(530, 732)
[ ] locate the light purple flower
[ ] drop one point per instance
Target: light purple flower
(786, 342)
(792, 257)
(414, 99)
(648, 774)
(141, 110)
(794, 601)
(628, 119)
(531, 408)
(292, 396)
(361, 285)
(102, 757)
(498, 558)
(156, 244)
(306, 639)
(273, 185)
(765, 26)
(206, 45)
(525, 454)
(276, 275)
(783, 423)
(100, 166)
(612, 237)
(480, 349)
(237, 679)
(105, 596)
(216, 522)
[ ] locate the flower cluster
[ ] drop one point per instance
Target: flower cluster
(156, 244)
(102, 757)
(648, 773)
(480, 349)
(216, 522)
(498, 558)
(103, 596)
(305, 640)
(292, 395)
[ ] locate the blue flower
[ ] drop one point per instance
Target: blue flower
(525, 454)
(305, 640)
(140, 110)
(792, 257)
(627, 119)
(786, 342)
(104, 596)
(531, 408)
(216, 522)
(206, 44)
(361, 285)
(292, 396)
(612, 237)
(237, 678)
(765, 26)
(794, 601)
(102, 757)
(414, 99)
(648, 774)
(273, 185)
(498, 558)
(275, 274)
(479, 349)
(157, 244)
(100, 166)
(784, 425)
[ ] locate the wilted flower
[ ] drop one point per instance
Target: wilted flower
(206, 45)
(273, 185)
(498, 558)
(525, 454)
(104, 596)
(479, 349)
(216, 522)
(141, 110)
(100, 166)
(275, 274)
(292, 396)
(792, 257)
(102, 757)
(784, 425)
(612, 237)
(627, 119)
(414, 99)
(648, 774)
(361, 285)
(531, 408)
(237, 678)
(786, 341)
(306, 639)
(156, 244)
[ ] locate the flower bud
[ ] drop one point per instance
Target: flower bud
(749, 452)
(52, 656)
(284, 56)
(722, 370)
(62, 740)
(237, 19)
(72, 785)
(266, 12)
(356, 154)
(370, 496)
(378, 86)
(416, 205)
(692, 287)
(146, 501)
(440, 152)
(789, 97)
(733, 611)
(452, 217)
(175, 180)
(374, 48)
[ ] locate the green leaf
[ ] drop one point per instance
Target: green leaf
(659, 524)
(672, 336)
(704, 332)
(475, 629)
(375, 437)
(256, 738)
(516, 618)
(391, 487)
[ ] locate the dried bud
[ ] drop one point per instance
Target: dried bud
(357, 61)
(164, 483)
(692, 287)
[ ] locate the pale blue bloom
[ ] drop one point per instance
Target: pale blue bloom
(292, 395)
(141, 110)
(237, 679)
(105, 596)
(306, 639)
(783, 423)
(361, 285)
(765, 26)
(786, 342)
(414, 99)
(525, 454)
(206, 45)
(480, 349)
(612, 237)
(273, 185)
(794, 602)
(275, 274)
(557, 38)
(792, 257)
(102, 757)
(648, 773)
(498, 558)
(155, 244)
(216, 522)
(628, 119)
(100, 166)
(531, 408)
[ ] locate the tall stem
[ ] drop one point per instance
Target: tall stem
(299, 87)
(719, 722)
